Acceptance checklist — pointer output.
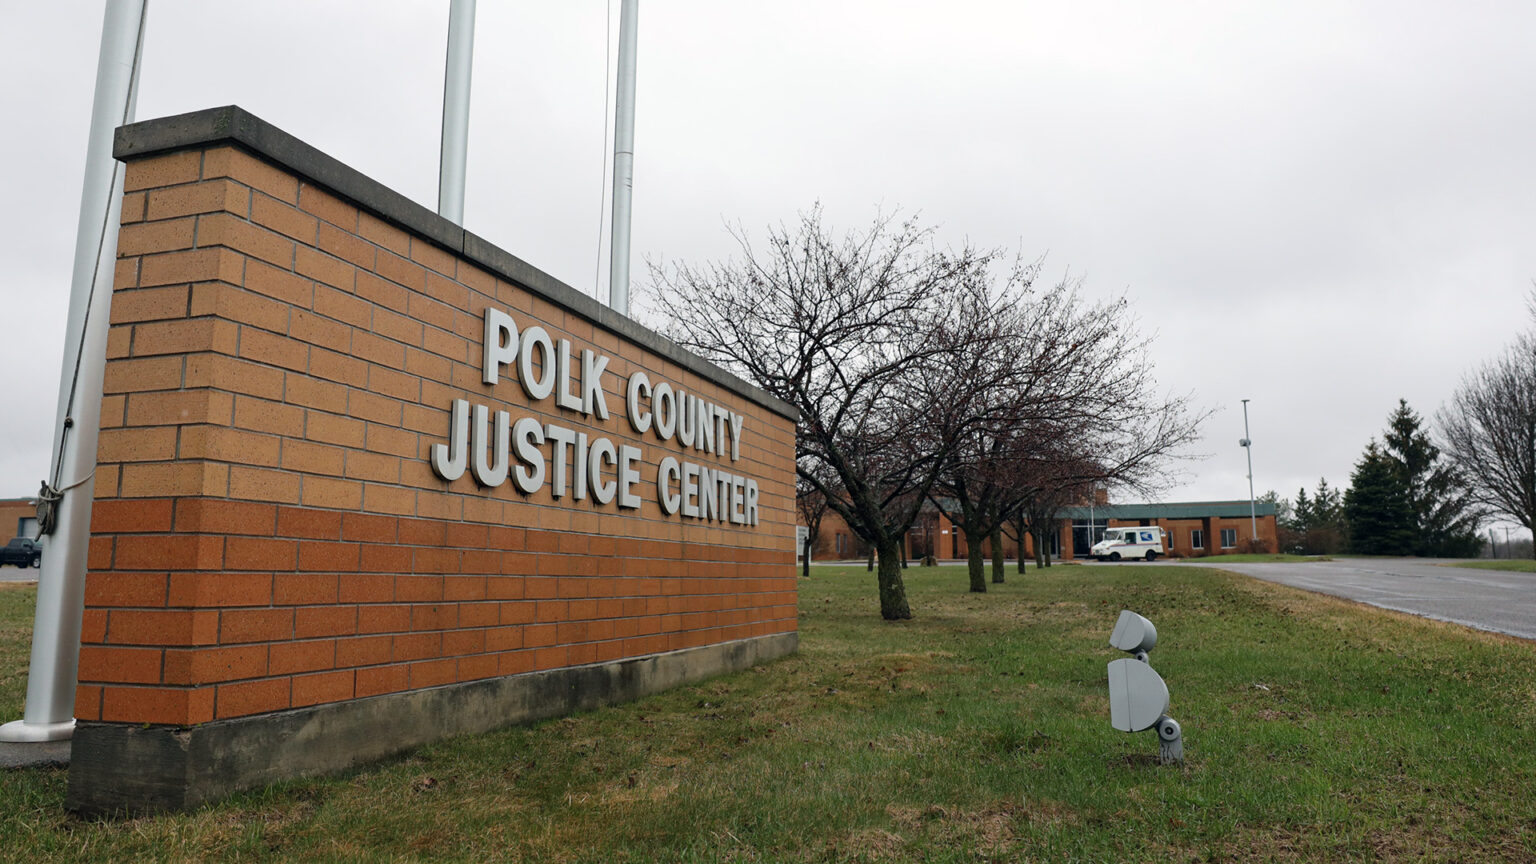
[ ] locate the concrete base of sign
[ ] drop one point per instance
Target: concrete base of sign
(120, 769)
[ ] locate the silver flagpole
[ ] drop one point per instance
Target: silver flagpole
(50, 708)
(455, 143)
(623, 158)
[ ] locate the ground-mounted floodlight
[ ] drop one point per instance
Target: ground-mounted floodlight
(1138, 698)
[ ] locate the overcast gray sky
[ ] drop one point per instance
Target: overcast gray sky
(1319, 206)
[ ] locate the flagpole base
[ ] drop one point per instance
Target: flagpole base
(22, 732)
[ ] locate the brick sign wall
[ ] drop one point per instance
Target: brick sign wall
(288, 345)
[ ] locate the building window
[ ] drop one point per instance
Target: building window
(1197, 539)
(1228, 538)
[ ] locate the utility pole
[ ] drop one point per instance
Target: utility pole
(1247, 444)
(65, 506)
(623, 159)
(453, 158)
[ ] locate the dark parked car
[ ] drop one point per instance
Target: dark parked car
(23, 552)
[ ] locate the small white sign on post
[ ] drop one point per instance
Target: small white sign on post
(802, 534)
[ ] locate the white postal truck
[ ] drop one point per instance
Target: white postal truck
(1143, 542)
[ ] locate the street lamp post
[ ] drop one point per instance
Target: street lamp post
(1247, 444)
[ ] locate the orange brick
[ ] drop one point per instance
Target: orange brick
(225, 517)
(397, 385)
(121, 517)
(150, 304)
(253, 697)
(335, 366)
(259, 553)
(87, 702)
(378, 498)
(195, 198)
(316, 201)
(427, 310)
(210, 665)
(325, 269)
(373, 466)
(309, 656)
(119, 342)
(312, 458)
(165, 170)
(393, 325)
(368, 528)
(347, 246)
(175, 706)
(382, 679)
(384, 558)
(400, 271)
(314, 621)
(328, 557)
(178, 407)
(304, 588)
(270, 348)
(418, 588)
(263, 484)
(383, 233)
(168, 552)
(133, 207)
(383, 438)
(155, 479)
(192, 265)
(417, 646)
(425, 253)
(125, 589)
(459, 642)
(126, 274)
(370, 406)
(312, 328)
(312, 393)
(455, 294)
(117, 665)
(144, 238)
(284, 219)
(343, 306)
(382, 292)
(478, 667)
(279, 284)
(423, 364)
(308, 523)
(236, 304)
(221, 588)
(247, 169)
(229, 445)
(331, 493)
(255, 625)
(363, 651)
(162, 627)
(184, 336)
(262, 415)
(323, 687)
(422, 532)
(433, 673)
(148, 373)
(240, 376)
(383, 618)
(376, 349)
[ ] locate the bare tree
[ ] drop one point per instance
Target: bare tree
(844, 329)
(1070, 400)
(1489, 429)
(811, 505)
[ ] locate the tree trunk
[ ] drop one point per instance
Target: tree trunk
(975, 565)
(1039, 547)
(998, 562)
(871, 566)
(893, 594)
(805, 565)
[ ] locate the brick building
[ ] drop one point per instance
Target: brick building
(1191, 529)
(18, 518)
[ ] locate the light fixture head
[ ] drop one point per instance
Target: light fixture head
(1133, 633)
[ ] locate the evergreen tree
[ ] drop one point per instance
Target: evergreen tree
(1301, 513)
(1444, 520)
(1376, 505)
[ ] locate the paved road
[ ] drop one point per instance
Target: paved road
(1485, 599)
(19, 574)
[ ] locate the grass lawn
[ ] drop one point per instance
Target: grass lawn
(1315, 730)
(1516, 565)
(1251, 557)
